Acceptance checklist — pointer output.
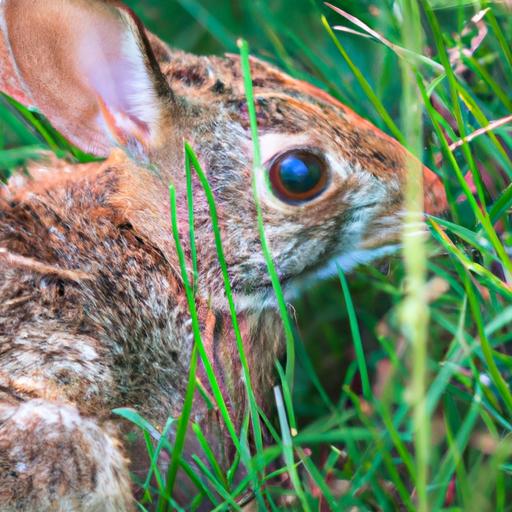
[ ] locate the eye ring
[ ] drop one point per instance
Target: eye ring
(298, 176)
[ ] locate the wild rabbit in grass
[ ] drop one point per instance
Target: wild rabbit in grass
(93, 313)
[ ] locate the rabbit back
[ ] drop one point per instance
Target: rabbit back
(87, 306)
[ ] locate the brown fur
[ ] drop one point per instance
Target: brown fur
(93, 314)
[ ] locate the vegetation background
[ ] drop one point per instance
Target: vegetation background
(432, 429)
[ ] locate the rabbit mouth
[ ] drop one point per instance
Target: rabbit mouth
(346, 262)
(294, 285)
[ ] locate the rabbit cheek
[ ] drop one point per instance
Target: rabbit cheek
(309, 241)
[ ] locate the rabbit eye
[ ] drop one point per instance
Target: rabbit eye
(298, 176)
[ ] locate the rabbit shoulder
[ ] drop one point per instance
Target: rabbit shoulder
(87, 306)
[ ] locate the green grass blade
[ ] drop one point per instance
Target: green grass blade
(200, 346)
(364, 84)
(257, 166)
(258, 436)
(356, 336)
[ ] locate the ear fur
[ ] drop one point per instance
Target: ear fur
(88, 66)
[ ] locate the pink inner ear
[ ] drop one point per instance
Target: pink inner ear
(112, 65)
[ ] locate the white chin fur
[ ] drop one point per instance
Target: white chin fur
(295, 287)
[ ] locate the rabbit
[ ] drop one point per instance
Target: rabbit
(93, 312)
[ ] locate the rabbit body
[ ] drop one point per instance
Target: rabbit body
(93, 313)
(94, 317)
(91, 318)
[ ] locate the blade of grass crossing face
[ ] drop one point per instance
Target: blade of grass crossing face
(258, 436)
(227, 287)
(205, 395)
(231, 472)
(257, 168)
(181, 431)
(173, 468)
(434, 118)
(190, 204)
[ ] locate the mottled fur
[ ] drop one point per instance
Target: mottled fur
(93, 314)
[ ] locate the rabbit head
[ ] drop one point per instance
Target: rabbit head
(331, 184)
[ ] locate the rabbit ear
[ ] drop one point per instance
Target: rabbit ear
(88, 66)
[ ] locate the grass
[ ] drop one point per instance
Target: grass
(396, 388)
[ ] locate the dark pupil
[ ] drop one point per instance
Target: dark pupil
(299, 175)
